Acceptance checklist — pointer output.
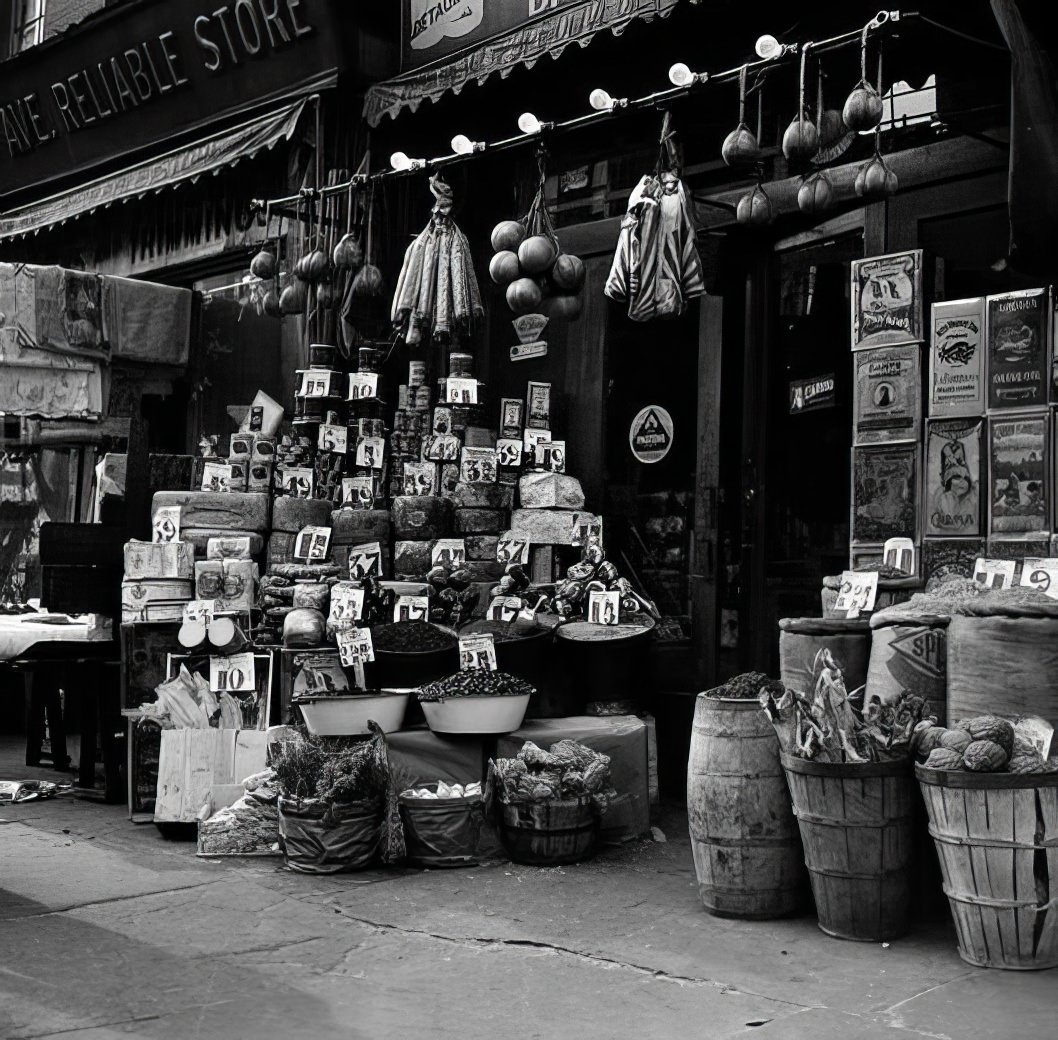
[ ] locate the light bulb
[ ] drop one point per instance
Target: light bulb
(600, 100)
(767, 47)
(462, 145)
(680, 75)
(400, 161)
(528, 123)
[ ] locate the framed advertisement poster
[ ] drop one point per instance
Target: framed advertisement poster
(888, 400)
(1018, 330)
(946, 558)
(887, 300)
(957, 358)
(884, 493)
(1019, 476)
(952, 478)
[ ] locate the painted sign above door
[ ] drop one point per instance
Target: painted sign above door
(650, 435)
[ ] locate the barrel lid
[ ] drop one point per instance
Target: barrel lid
(824, 626)
(586, 632)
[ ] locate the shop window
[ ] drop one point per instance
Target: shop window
(27, 25)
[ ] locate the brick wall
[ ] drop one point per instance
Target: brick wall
(60, 14)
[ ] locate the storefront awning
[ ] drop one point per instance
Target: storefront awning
(548, 34)
(210, 155)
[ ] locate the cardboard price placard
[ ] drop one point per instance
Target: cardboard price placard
(347, 604)
(461, 391)
(166, 524)
(899, 553)
(450, 552)
(604, 608)
(333, 438)
(1040, 573)
(233, 674)
(370, 451)
(509, 452)
(363, 386)
(355, 645)
(411, 608)
(510, 549)
(858, 592)
(477, 653)
(505, 608)
(587, 530)
(365, 561)
(312, 544)
(298, 481)
(358, 492)
(994, 574)
(199, 610)
(216, 476)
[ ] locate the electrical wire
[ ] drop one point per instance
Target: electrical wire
(963, 35)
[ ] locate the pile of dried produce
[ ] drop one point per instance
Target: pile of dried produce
(452, 595)
(332, 770)
(411, 637)
(567, 770)
(249, 826)
(984, 744)
(443, 790)
(747, 686)
(826, 726)
(594, 573)
(475, 683)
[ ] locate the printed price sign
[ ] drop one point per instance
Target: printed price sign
(358, 492)
(354, 645)
(216, 476)
(312, 543)
(233, 674)
(199, 610)
(363, 385)
(347, 605)
(298, 481)
(900, 553)
(477, 653)
(510, 549)
(505, 608)
(411, 608)
(461, 391)
(369, 451)
(509, 452)
(532, 438)
(587, 530)
(333, 438)
(166, 524)
(450, 552)
(365, 561)
(317, 383)
(859, 590)
(604, 608)
(1040, 573)
(994, 574)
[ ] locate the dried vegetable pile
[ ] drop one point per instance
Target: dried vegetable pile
(748, 687)
(475, 683)
(249, 826)
(984, 744)
(826, 726)
(567, 770)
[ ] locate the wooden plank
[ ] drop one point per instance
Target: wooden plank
(977, 827)
(1024, 809)
(1047, 947)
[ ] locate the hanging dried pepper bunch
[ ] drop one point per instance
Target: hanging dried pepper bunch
(437, 292)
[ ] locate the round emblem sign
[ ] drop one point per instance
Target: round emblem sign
(650, 436)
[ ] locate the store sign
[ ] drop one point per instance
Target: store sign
(809, 395)
(650, 436)
(141, 75)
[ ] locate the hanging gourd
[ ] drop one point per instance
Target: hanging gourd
(741, 145)
(349, 250)
(755, 208)
(801, 140)
(368, 280)
(263, 265)
(816, 193)
(507, 235)
(863, 107)
(875, 178)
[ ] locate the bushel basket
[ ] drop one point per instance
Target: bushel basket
(548, 834)
(997, 840)
(318, 838)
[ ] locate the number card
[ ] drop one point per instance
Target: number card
(449, 552)
(1040, 573)
(365, 561)
(298, 481)
(532, 438)
(510, 549)
(362, 386)
(233, 674)
(505, 608)
(347, 605)
(369, 451)
(461, 391)
(899, 553)
(478, 466)
(199, 610)
(994, 574)
(477, 653)
(509, 452)
(587, 530)
(166, 524)
(312, 544)
(358, 492)
(604, 608)
(411, 608)
(333, 438)
(354, 645)
(858, 592)
(216, 476)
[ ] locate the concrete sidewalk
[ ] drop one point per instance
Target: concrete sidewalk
(108, 930)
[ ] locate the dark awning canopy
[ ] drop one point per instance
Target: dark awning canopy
(549, 34)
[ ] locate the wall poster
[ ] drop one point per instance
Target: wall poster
(888, 401)
(884, 493)
(1019, 473)
(1019, 334)
(887, 300)
(957, 358)
(953, 478)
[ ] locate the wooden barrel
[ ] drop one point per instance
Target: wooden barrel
(747, 852)
(547, 834)
(800, 639)
(856, 825)
(997, 839)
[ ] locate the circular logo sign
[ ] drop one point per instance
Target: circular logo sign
(650, 436)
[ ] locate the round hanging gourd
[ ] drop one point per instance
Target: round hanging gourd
(565, 306)
(741, 145)
(504, 267)
(507, 235)
(876, 178)
(293, 298)
(567, 274)
(348, 252)
(270, 304)
(326, 297)
(536, 254)
(523, 295)
(754, 208)
(816, 193)
(801, 140)
(263, 265)
(368, 280)
(863, 107)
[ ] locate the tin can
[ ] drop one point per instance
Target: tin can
(461, 365)
(422, 398)
(369, 359)
(322, 355)
(416, 374)
(403, 397)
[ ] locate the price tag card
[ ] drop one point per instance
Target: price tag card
(509, 453)
(233, 674)
(510, 549)
(994, 574)
(477, 653)
(512, 412)
(358, 492)
(298, 481)
(166, 524)
(216, 476)
(365, 561)
(333, 438)
(317, 383)
(442, 448)
(363, 386)
(412, 608)
(450, 552)
(478, 466)
(505, 608)
(461, 391)
(347, 605)
(200, 610)
(857, 594)
(369, 451)
(1040, 573)
(587, 530)
(551, 455)
(529, 613)
(604, 608)
(532, 438)
(900, 553)
(420, 478)
(354, 645)
(312, 544)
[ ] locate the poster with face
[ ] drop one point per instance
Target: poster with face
(887, 300)
(888, 399)
(1018, 330)
(957, 358)
(1019, 471)
(953, 478)
(884, 493)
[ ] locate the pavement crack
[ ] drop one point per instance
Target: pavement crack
(929, 989)
(136, 1019)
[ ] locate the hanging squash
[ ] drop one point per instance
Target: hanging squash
(801, 140)
(741, 146)
(368, 281)
(863, 107)
(755, 208)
